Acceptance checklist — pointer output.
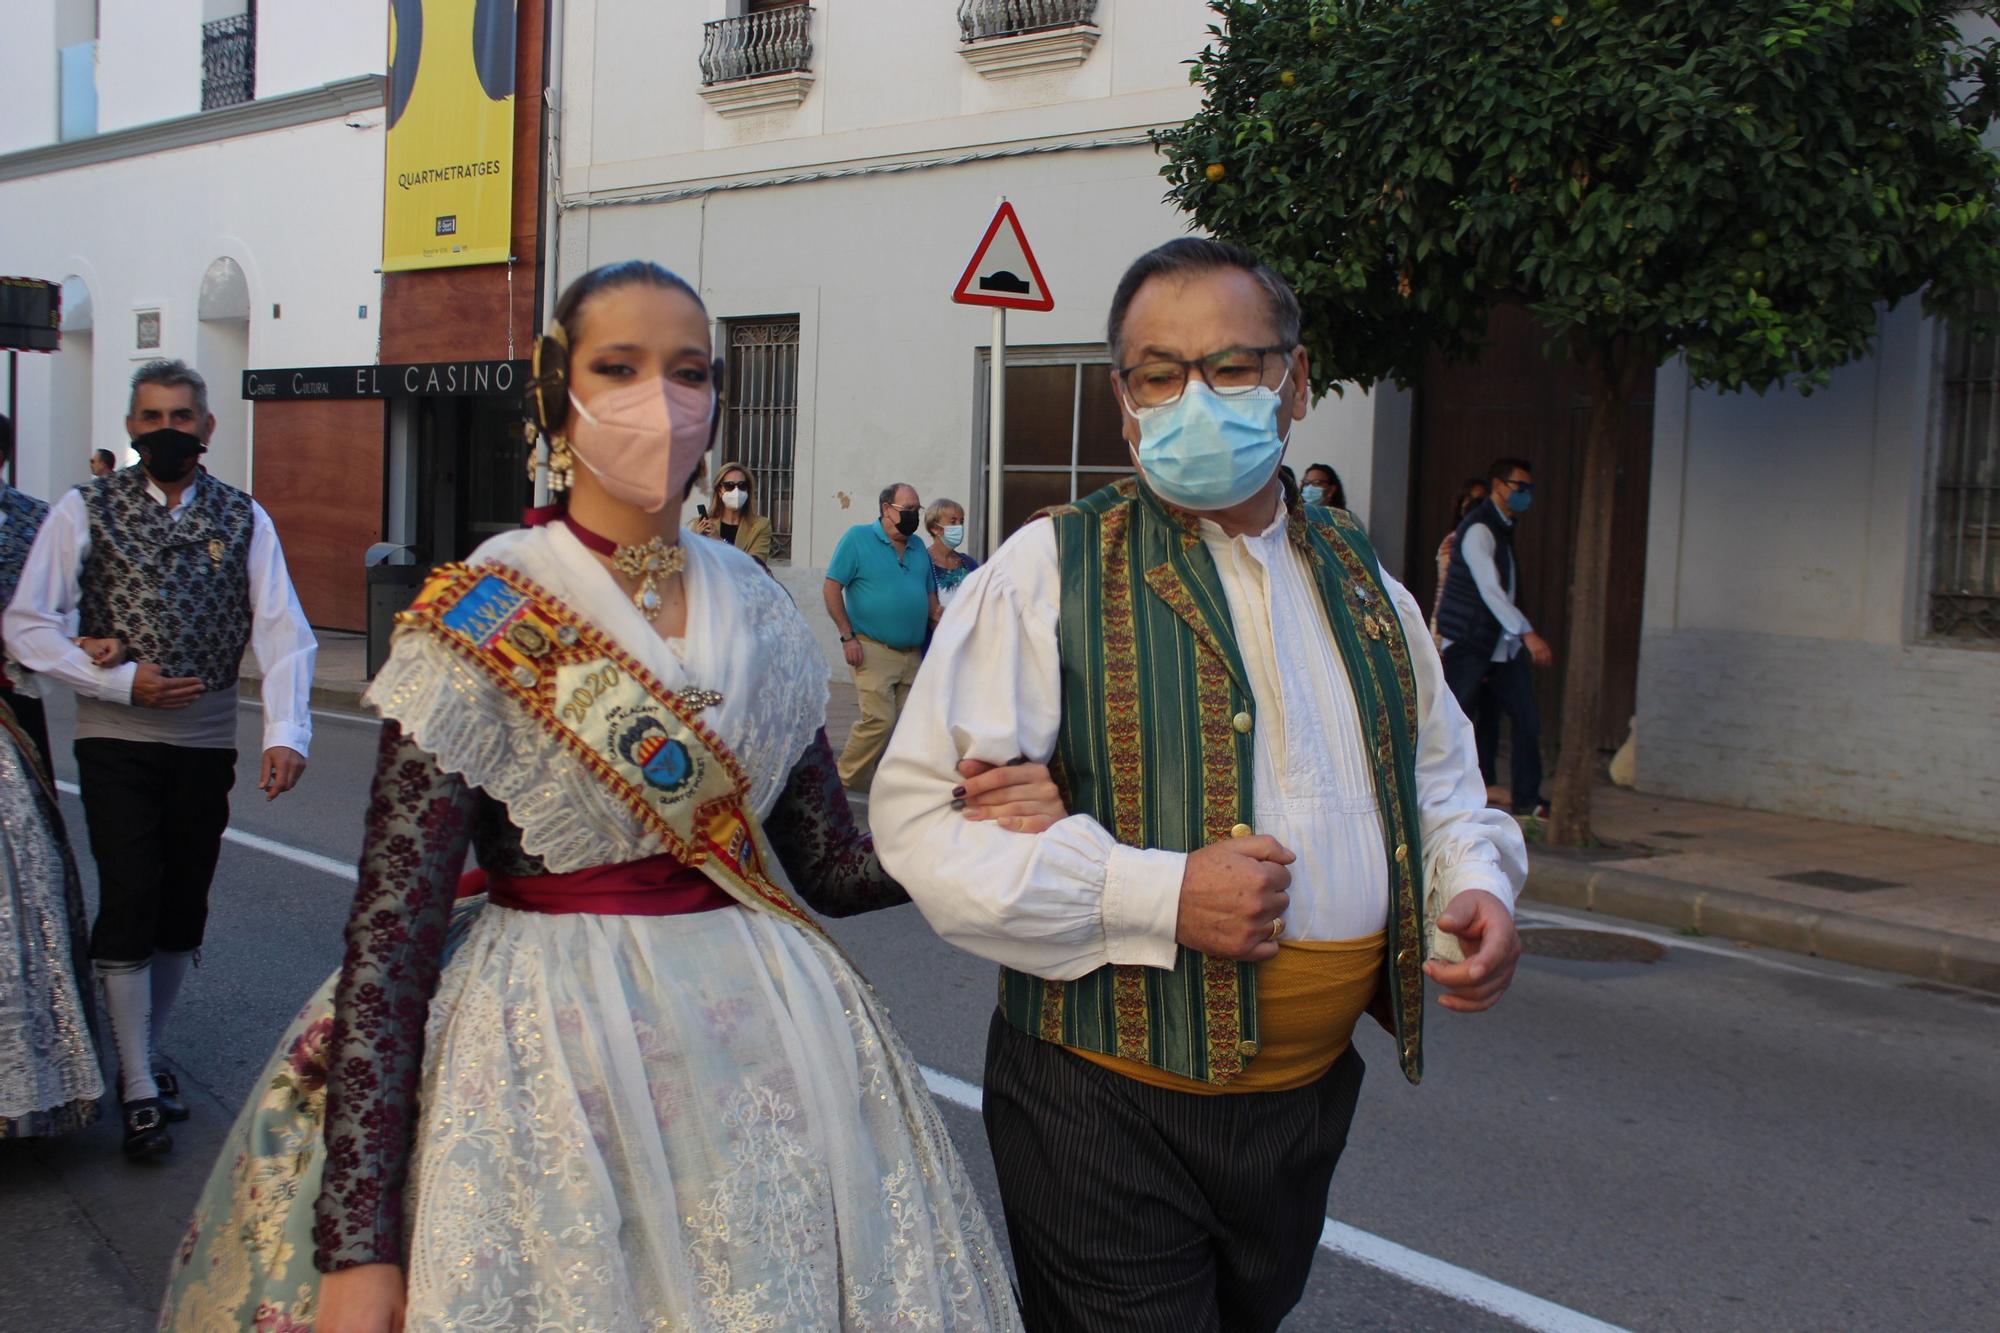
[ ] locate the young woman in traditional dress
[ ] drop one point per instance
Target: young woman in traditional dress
(644, 1091)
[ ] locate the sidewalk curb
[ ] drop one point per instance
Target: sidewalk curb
(1843, 937)
(346, 698)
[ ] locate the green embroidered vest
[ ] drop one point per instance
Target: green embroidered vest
(1157, 745)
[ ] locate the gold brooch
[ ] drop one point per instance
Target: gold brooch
(215, 550)
(649, 562)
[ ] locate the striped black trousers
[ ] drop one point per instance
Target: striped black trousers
(1134, 1208)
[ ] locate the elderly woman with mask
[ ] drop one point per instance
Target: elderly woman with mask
(946, 524)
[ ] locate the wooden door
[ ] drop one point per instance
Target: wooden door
(1514, 400)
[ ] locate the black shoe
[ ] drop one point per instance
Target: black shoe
(146, 1129)
(171, 1105)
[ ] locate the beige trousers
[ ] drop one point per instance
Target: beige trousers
(883, 681)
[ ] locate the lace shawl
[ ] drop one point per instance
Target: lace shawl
(745, 639)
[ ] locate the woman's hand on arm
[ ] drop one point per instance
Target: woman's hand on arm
(1021, 797)
(367, 1298)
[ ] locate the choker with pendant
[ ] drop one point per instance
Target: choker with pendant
(648, 561)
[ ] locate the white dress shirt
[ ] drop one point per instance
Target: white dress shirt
(39, 628)
(1067, 901)
(1479, 546)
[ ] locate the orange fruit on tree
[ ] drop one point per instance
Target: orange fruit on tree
(1216, 171)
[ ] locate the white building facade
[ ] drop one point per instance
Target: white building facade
(1822, 614)
(826, 203)
(1821, 582)
(204, 179)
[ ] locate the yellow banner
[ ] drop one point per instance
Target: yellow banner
(448, 186)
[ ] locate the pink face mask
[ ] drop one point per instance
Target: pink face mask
(643, 440)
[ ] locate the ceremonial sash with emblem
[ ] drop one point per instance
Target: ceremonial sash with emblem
(643, 742)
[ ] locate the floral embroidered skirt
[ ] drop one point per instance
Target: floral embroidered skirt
(694, 1122)
(49, 1081)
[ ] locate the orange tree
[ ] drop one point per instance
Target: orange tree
(1740, 183)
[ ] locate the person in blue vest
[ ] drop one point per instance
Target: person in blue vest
(1277, 824)
(1485, 637)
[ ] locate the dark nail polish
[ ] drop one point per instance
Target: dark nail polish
(958, 792)
(958, 804)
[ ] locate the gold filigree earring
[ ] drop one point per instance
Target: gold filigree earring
(562, 463)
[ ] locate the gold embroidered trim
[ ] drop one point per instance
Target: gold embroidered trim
(1124, 750)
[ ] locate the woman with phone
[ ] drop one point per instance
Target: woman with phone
(736, 519)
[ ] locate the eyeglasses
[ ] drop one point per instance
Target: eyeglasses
(1229, 372)
(903, 509)
(1527, 486)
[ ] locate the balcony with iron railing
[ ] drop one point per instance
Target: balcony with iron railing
(1008, 18)
(1008, 39)
(229, 60)
(760, 61)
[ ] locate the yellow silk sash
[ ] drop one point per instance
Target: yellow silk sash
(1308, 1000)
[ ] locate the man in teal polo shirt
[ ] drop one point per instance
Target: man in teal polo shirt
(882, 595)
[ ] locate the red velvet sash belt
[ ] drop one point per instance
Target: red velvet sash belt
(657, 886)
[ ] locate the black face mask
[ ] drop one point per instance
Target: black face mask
(906, 521)
(169, 454)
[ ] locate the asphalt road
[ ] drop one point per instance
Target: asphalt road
(1723, 1138)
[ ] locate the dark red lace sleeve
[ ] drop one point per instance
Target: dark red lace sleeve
(830, 860)
(419, 823)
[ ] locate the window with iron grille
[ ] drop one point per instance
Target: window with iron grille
(1008, 18)
(1062, 430)
(229, 60)
(760, 416)
(1965, 548)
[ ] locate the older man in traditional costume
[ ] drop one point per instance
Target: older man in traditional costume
(168, 574)
(1278, 821)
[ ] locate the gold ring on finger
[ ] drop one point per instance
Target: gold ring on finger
(1277, 926)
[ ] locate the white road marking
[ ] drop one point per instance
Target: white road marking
(1413, 1266)
(1460, 1284)
(285, 851)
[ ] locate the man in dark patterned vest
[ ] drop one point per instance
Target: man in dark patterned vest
(21, 518)
(169, 574)
(1278, 824)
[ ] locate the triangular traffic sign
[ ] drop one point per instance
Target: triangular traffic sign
(1003, 270)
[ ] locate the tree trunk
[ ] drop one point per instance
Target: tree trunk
(1612, 368)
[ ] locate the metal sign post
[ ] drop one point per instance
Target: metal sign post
(996, 429)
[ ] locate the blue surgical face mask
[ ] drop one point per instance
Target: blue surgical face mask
(953, 535)
(1313, 495)
(1518, 501)
(1205, 451)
